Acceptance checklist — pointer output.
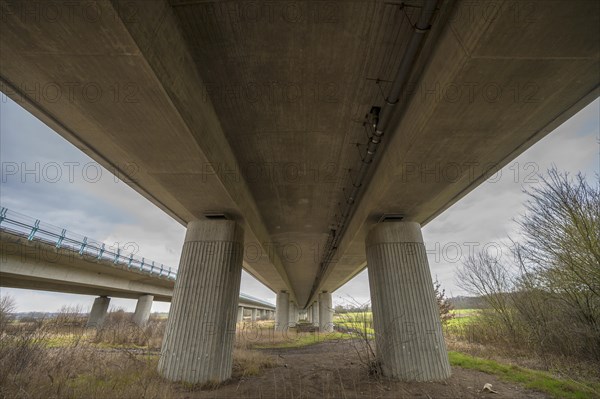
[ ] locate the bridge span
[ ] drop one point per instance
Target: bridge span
(300, 140)
(39, 256)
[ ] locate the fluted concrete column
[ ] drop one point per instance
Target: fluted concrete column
(282, 316)
(240, 314)
(198, 343)
(293, 316)
(142, 310)
(315, 314)
(98, 312)
(309, 314)
(408, 332)
(253, 315)
(325, 312)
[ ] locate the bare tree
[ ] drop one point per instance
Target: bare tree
(550, 295)
(561, 233)
(7, 306)
(486, 276)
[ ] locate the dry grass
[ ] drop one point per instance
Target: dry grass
(248, 362)
(59, 358)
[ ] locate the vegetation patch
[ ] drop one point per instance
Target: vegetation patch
(533, 379)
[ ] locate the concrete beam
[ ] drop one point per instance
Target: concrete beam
(198, 343)
(37, 265)
(408, 332)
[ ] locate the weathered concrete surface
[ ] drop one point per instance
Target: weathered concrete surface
(98, 312)
(293, 314)
(315, 313)
(325, 312)
(282, 311)
(240, 314)
(198, 342)
(258, 117)
(409, 339)
(142, 310)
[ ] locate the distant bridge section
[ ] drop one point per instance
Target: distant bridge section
(39, 256)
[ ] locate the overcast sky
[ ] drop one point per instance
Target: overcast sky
(92, 202)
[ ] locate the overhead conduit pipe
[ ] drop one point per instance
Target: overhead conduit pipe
(380, 126)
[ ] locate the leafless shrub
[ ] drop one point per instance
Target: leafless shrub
(359, 325)
(119, 330)
(548, 298)
(7, 307)
(444, 305)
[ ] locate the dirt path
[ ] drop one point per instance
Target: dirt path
(333, 370)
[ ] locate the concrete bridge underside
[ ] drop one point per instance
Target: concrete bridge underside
(212, 108)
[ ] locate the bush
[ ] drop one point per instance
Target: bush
(548, 298)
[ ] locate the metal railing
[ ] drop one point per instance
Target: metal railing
(35, 230)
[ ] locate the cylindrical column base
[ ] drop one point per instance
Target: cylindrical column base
(293, 315)
(198, 343)
(408, 332)
(282, 311)
(142, 310)
(315, 314)
(98, 312)
(325, 312)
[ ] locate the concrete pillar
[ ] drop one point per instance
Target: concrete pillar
(315, 314)
(142, 310)
(240, 314)
(293, 316)
(98, 312)
(309, 314)
(282, 311)
(325, 312)
(198, 343)
(408, 332)
(254, 312)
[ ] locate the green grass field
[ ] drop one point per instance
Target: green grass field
(362, 321)
(537, 380)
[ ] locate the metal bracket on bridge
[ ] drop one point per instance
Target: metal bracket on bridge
(61, 238)
(83, 245)
(101, 252)
(35, 228)
(3, 214)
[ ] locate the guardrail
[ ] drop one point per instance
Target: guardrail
(36, 230)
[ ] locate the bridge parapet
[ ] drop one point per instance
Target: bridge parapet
(35, 230)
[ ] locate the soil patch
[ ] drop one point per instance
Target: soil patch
(333, 369)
